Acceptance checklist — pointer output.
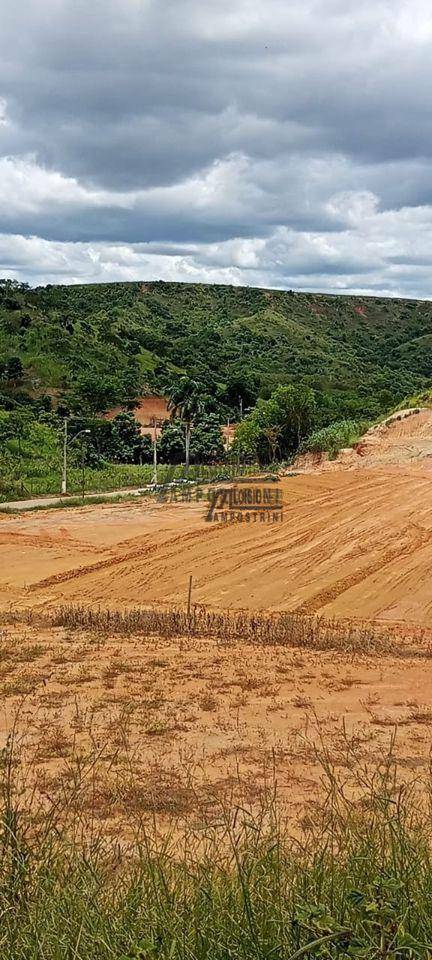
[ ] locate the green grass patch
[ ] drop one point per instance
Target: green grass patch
(112, 477)
(356, 881)
(333, 438)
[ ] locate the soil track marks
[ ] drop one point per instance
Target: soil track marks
(350, 544)
(199, 717)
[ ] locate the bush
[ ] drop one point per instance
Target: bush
(333, 438)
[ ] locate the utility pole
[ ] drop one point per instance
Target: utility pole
(155, 477)
(82, 468)
(66, 443)
(156, 424)
(64, 472)
(20, 463)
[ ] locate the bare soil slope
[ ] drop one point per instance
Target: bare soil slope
(404, 437)
(350, 544)
(179, 723)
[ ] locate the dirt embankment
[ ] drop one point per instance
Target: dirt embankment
(401, 438)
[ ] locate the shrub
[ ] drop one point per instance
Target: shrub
(333, 438)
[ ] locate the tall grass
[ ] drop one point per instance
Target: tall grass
(356, 883)
(331, 439)
(112, 477)
(228, 626)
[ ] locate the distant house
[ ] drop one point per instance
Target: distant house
(228, 434)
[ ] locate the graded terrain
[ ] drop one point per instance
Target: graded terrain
(354, 540)
(197, 717)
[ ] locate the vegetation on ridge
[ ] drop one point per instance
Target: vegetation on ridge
(296, 369)
(105, 343)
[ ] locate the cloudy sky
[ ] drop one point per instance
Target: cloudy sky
(282, 143)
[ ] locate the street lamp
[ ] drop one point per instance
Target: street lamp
(155, 423)
(66, 443)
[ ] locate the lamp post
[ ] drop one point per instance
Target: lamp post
(64, 471)
(155, 424)
(82, 467)
(66, 444)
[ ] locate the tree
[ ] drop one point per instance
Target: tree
(171, 446)
(206, 441)
(293, 410)
(118, 440)
(246, 438)
(277, 426)
(14, 369)
(95, 392)
(127, 445)
(15, 429)
(241, 389)
(186, 402)
(98, 441)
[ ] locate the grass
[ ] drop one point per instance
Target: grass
(114, 477)
(241, 878)
(229, 626)
(333, 438)
(355, 881)
(69, 502)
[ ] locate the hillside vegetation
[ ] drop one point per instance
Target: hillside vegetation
(101, 344)
(298, 370)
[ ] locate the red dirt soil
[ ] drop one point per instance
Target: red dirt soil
(198, 717)
(354, 544)
(148, 409)
(180, 725)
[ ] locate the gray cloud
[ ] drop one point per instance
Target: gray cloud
(255, 141)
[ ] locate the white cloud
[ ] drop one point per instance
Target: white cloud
(381, 252)
(252, 141)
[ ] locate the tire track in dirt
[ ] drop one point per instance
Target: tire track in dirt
(109, 562)
(332, 592)
(49, 541)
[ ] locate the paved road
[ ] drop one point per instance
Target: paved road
(52, 501)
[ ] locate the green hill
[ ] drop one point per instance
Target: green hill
(95, 345)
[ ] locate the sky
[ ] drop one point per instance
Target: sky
(261, 142)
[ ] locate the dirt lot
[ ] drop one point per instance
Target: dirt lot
(350, 544)
(178, 723)
(126, 727)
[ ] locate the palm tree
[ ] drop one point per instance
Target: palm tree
(186, 401)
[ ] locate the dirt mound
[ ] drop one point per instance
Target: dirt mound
(405, 435)
(404, 424)
(319, 461)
